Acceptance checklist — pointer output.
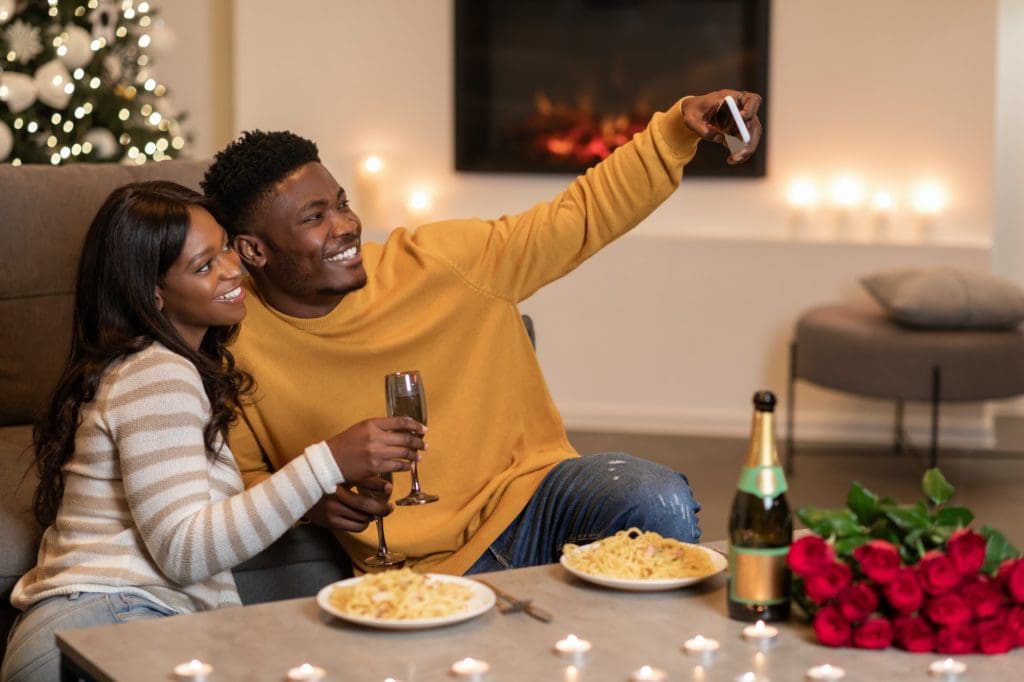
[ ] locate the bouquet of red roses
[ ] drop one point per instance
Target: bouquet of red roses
(878, 573)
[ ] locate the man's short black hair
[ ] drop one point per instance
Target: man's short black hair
(243, 173)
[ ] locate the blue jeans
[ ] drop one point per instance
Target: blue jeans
(587, 498)
(32, 652)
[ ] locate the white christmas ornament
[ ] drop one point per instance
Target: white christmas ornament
(6, 141)
(53, 84)
(6, 10)
(104, 21)
(17, 90)
(102, 141)
(78, 51)
(162, 37)
(23, 40)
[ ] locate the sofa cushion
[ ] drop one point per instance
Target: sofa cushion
(20, 537)
(45, 212)
(947, 297)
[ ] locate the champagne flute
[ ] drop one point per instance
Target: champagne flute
(383, 558)
(406, 398)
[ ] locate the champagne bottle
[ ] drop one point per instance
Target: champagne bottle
(760, 527)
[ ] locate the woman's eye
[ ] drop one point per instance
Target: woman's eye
(204, 268)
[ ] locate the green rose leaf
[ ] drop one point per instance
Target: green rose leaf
(935, 486)
(997, 549)
(844, 546)
(958, 517)
(864, 504)
(829, 523)
(907, 517)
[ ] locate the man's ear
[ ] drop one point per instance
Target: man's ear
(251, 250)
(159, 299)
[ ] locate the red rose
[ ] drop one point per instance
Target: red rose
(913, 633)
(831, 628)
(957, 640)
(875, 633)
(984, 596)
(1014, 619)
(879, 559)
(857, 602)
(966, 549)
(950, 610)
(810, 555)
(936, 573)
(1011, 576)
(904, 592)
(828, 583)
(994, 637)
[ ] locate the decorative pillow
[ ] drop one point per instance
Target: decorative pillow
(947, 297)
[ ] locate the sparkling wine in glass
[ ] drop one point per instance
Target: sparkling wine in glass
(406, 398)
(383, 558)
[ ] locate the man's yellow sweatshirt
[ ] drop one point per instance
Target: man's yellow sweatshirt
(443, 299)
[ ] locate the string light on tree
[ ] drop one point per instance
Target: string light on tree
(77, 83)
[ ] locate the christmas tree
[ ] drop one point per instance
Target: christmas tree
(76, 83)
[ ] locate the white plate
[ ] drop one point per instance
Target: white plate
(718, 560)
(481, 601)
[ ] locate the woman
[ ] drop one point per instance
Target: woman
(141, 497)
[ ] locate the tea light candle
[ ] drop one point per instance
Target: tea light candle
(949, 667)
(701, 645)
(470, 668)
(751, 676)
(646, 673)
(572, 647)
(306, 672)
(825, 672)
(193, 671)
(759, 632)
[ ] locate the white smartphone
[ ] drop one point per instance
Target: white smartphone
(728, 119)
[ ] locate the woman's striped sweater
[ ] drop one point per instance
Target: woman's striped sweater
(146, 511)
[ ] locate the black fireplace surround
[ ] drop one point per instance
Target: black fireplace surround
(552, 86)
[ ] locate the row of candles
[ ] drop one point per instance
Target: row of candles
(859, 213)
(845, 196)
(576, 649)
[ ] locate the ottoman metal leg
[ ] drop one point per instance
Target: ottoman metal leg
(899, 433)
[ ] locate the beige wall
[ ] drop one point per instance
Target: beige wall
(648, 334)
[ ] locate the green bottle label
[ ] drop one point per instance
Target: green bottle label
(762, 481)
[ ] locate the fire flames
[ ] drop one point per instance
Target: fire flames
(564, 135)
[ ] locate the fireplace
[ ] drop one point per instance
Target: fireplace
(553, 86)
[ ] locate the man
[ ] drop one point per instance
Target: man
(330, 316)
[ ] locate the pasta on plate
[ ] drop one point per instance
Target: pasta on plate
(401, 595)
(639, 555)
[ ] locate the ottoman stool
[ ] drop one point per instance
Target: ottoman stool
(857, 348)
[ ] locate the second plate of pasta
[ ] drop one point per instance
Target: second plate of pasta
(641, 561)
(405, 600)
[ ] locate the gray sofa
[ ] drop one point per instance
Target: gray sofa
(44, 213)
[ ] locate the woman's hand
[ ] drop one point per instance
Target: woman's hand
(699, 115)
(349, 511)
(376, 446)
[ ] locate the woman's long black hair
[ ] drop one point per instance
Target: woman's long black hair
(134, 239)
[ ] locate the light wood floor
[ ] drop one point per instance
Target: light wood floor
(991, 484)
